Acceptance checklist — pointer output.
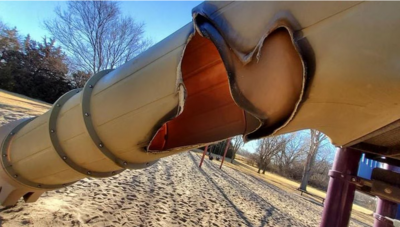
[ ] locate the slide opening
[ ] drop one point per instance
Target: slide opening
(210, 114)
(269, 87)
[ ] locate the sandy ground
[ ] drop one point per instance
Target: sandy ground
(173, 192)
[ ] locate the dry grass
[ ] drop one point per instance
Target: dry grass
(358, 213)
(21, 104)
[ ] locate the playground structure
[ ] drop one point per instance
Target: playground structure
(241, 68)
(385, 208)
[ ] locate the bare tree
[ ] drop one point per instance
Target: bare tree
(267, 148)
(323, 163)
(9, 38)
(2, 25)
(244, 152)
(96, 36)
(236, 143)
(316, 140)
(79, 78)
(295, 148)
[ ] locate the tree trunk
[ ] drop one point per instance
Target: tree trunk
(233, 156)
(307, 168)
(280, 167)
(259, 169)
(264, 171)
(315, 142)
(304, 180)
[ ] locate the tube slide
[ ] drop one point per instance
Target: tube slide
(241, 68)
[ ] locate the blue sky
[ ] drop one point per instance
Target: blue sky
(161, 18)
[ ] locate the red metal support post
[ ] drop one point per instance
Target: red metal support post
(202, 157)
(340, 195)
(385, 208)
(228, 142)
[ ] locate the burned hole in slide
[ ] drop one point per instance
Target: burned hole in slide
(268, 87)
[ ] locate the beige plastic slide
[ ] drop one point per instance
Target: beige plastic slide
(241, 68)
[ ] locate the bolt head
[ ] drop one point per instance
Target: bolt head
(89, 173)
(58, 105)
(91, 86)
(388, 191)
(52, 131)
(87, 114)
(39, 185)
(64, 157)
(353, 179)
(4, 155)
(15, 176)
(12, 133)
(101, 145)
(113, 172)
(125, 163)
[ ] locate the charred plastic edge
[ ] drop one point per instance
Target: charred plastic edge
(282, 20)
(87, 118)
(209, 31)
(8, 167)
(306, 55)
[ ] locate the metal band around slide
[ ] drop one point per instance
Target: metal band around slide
(8, 167)
(56, 143)
(87, 118)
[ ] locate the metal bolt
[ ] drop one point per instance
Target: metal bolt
(353, 179)
(100, 145)
(91, 86)
(64, 157)
(39, 185)
(388, 191)
(88, 172)
(52, 131)
(12, 133)
(58, 105)
(113, 172)
(15, 175)
(64, 185)
(4, 155)
(125, 163)
(87, 114)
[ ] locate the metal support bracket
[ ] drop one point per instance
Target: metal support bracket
(7, 162)
(385, 184)
(343, 176)
(56, 143)
(388, 221)
(87, 118)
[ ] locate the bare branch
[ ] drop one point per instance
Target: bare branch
(96, 36)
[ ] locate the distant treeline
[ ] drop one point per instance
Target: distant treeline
(304, 156)
(35, 69)
(96, 36)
